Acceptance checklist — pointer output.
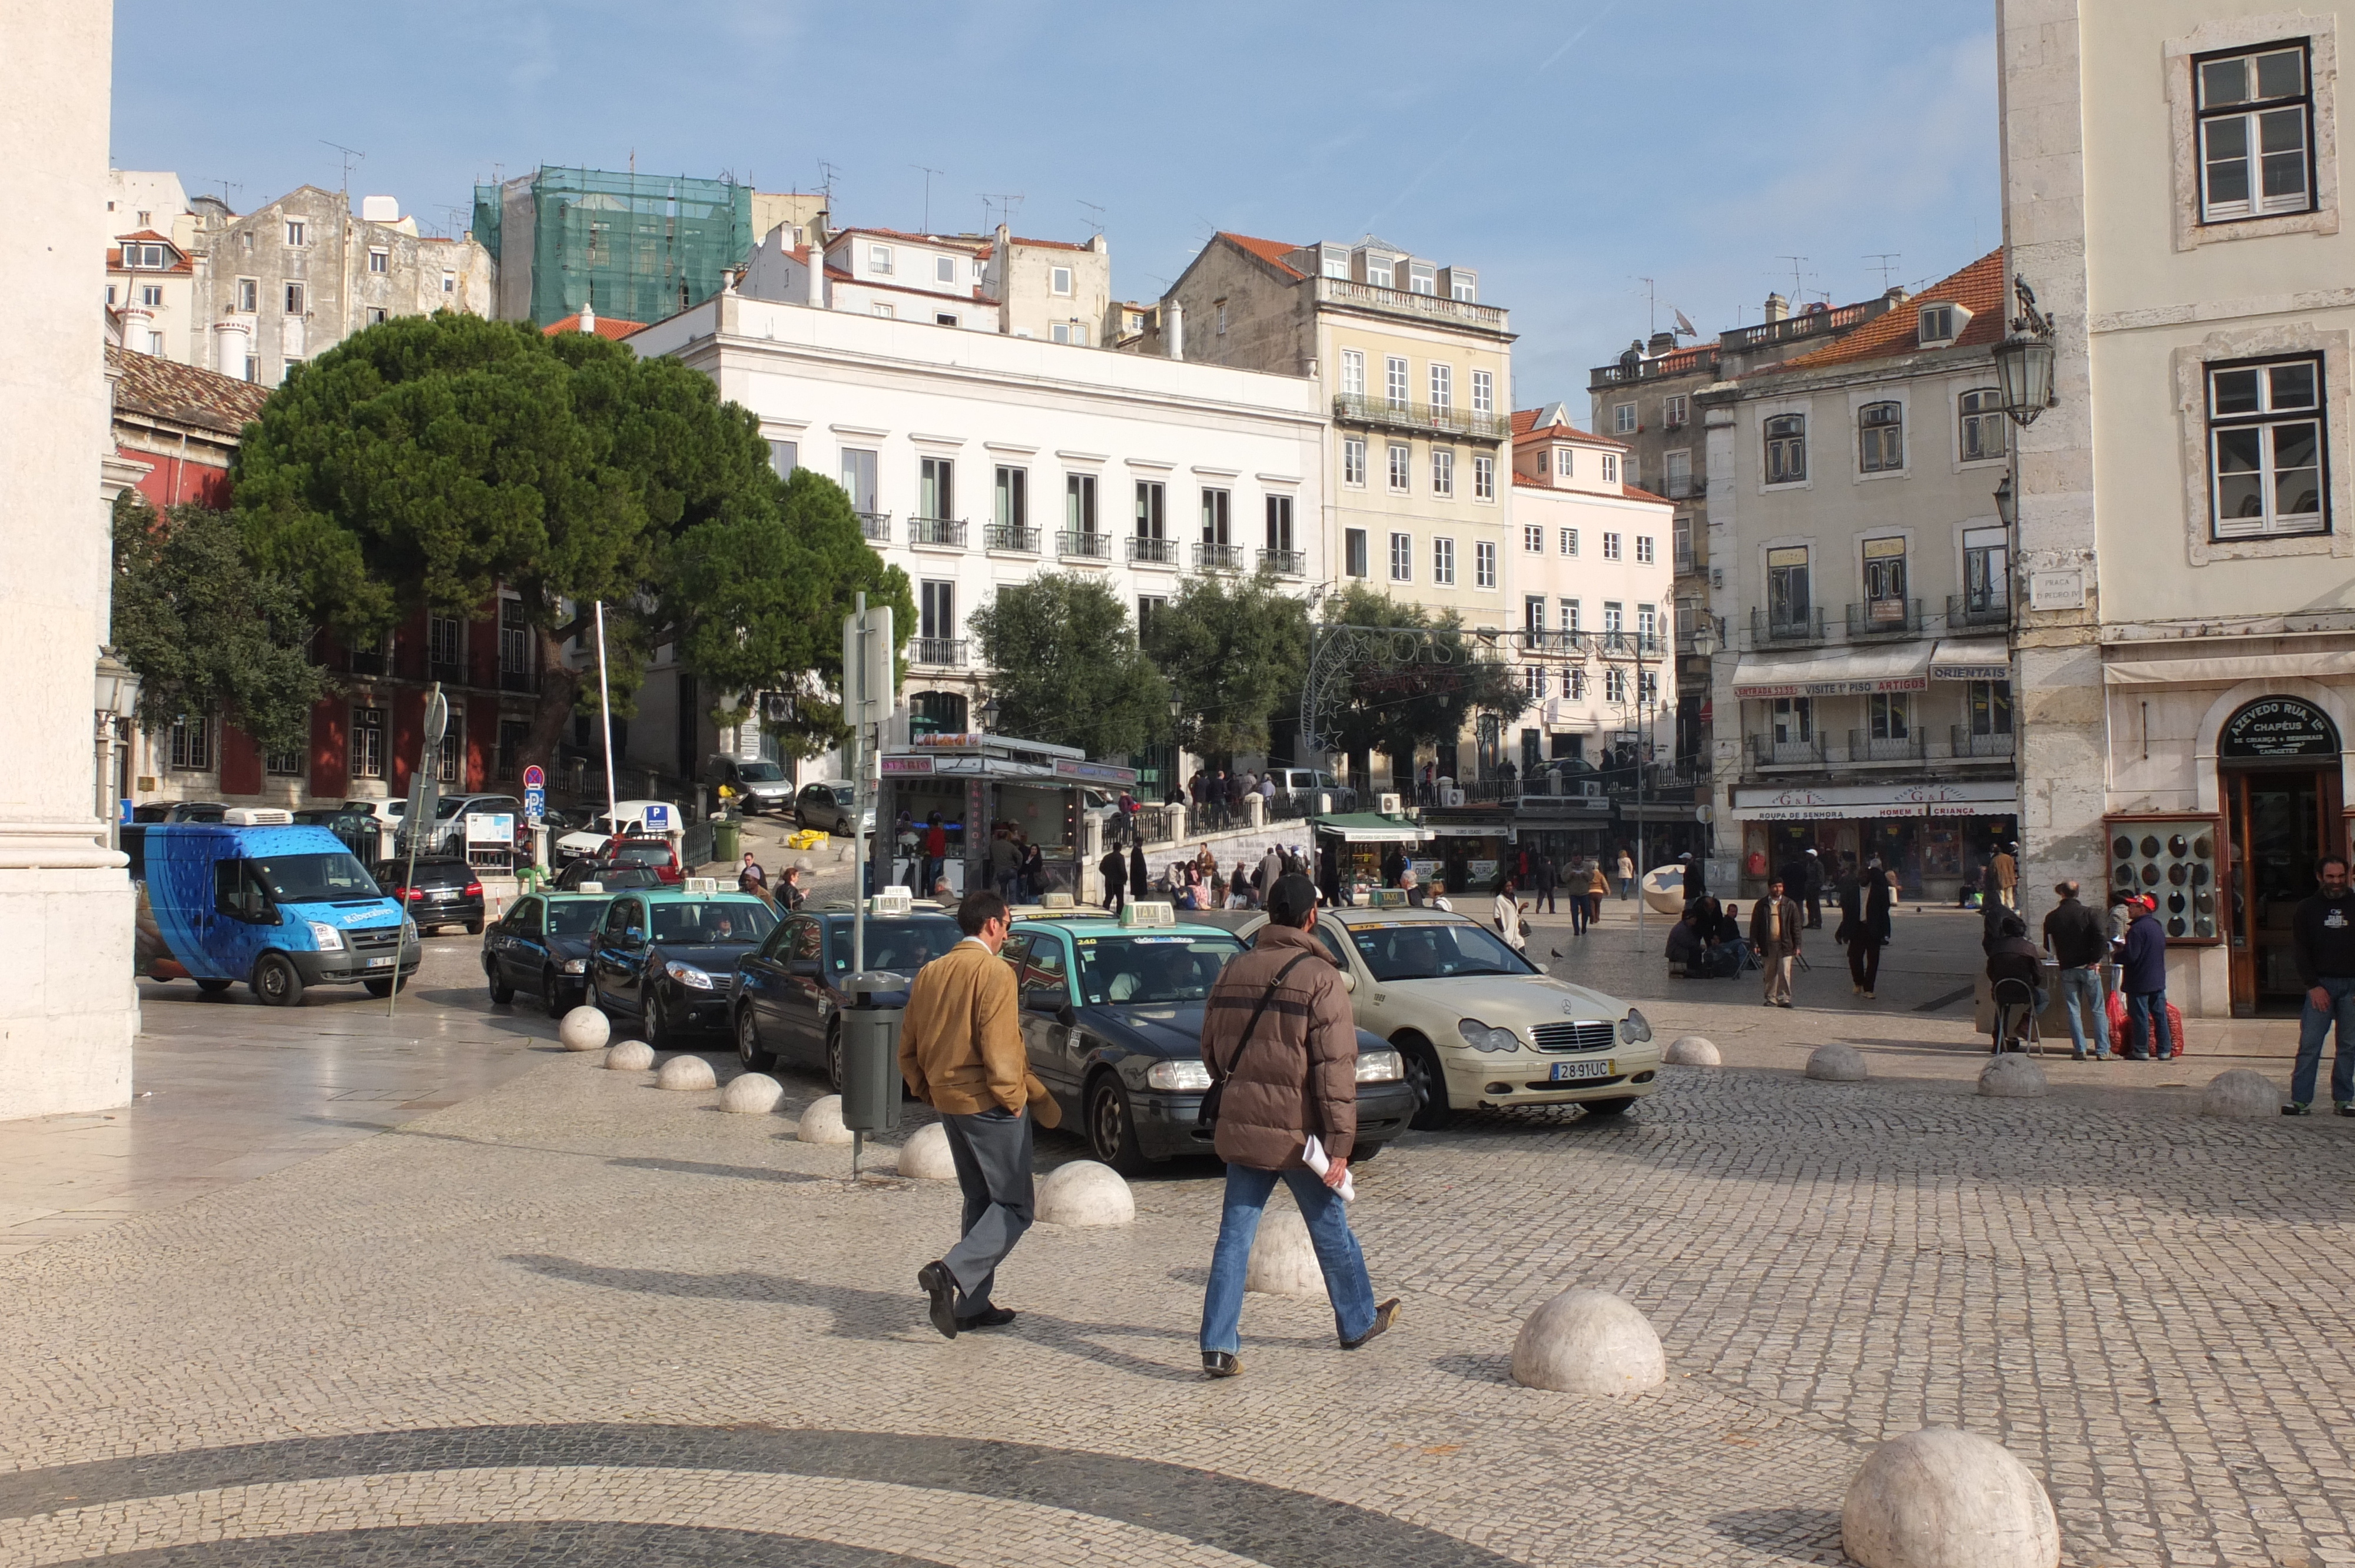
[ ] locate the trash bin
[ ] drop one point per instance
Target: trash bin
(870, 1052)
(727, 841)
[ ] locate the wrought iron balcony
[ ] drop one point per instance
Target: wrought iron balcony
(1975, 610)
(937, 532)
(874, 525)
(1218, 557)
(1768, 626)
(1419, 418)
(1152, 552)
(1004, 537)
(1885, 618)
(525, 680)
(1284, 563)
(1969, 744)
(948, 652)
(1865, 747)
(1083, 547)
(1765, 751)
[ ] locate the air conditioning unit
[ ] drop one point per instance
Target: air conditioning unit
(258, 817)
(1388, 805)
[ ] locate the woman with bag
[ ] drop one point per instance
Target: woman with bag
(1511, 917)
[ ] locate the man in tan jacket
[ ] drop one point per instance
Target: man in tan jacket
(1278, 1034)
(960, 1051)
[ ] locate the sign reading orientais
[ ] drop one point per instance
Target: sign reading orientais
(2275, 727)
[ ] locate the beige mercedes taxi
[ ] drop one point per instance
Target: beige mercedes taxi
(1477, 1023)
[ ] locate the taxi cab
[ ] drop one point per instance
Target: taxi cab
(1478, 1025)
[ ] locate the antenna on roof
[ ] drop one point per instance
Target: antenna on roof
(826, 172)
(226, 186)
(1797, 287)
(1652, 294)
(1096, 222)
(929, 173)
(1885, 260)
(1006, 202)
(351, 155)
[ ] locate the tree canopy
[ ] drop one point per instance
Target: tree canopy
(208, 629)
(1399, 704)
(429, 460)
(1235, 651)
(1065, 666)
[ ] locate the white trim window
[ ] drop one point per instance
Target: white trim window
(1353, 462)
(1787, 448)
(2256, 114)
(1674, 411)
(944, 271)
(1058, 280)
(1484, 564)
(1610, 468)
(1565, 460)
(2265, 448)
(1353, 373)
(368, 749)
(1647, 550)
(879, 260)
(1401, 557)
(1442, 562)
(1569, 541)
(1614, 686)
(379, 260)
(1443, 385)
(1443, 471)
(1880, 437)
(1986, 430)
(1394, 384)
(298, 233)
(1623, 418)
(1533, 682)
(1611, 546)
(1484, 478)
(192, 748)
(1484, 390)
(1401, 467)
(1569, 615)
(1533, 538)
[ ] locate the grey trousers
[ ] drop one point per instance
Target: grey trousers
(992, 1151)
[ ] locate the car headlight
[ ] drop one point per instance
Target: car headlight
(1191, 1076)
(576, 966)
(1633, 1030)
(687, 975)
(1381, 1066)
(326, 938)
(1481, 1038)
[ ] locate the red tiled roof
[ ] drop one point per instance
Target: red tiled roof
(115, 264)
(1526, 428)
(1978, 288)
(1638, 492)
(614, 327)
(1050, 244)
(183, 394)
(147, 234)
(1626, 492)
(1272, 252)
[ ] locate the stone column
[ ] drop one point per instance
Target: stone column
(68, 1008)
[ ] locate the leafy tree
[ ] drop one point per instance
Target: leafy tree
(1395, 704)
(431, 459)
(1235, 652)
(1064, 665)
(207, 630)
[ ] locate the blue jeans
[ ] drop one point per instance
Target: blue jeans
(2313, 1024)
(2146, 1014)
(1346, 1284)
(2081, 989)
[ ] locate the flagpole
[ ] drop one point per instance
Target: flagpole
(605, 714)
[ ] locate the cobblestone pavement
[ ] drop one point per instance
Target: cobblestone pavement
(573, 1318)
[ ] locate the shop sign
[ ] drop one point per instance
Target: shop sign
(2278, 727)
(1836, 688)
(1095, 772)
(905, 766)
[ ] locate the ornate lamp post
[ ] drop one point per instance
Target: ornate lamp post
(116, 695)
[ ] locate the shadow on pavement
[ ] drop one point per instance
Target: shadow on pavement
(700, 1168)
(1793, 1534)
(1494, 1369)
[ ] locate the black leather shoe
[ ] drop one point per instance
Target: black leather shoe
(1385, 1316)
(935, 1280)
(1218, 1363)
(988, 1317)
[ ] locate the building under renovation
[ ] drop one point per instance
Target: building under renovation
(642, 246)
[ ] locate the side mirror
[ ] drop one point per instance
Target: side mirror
(805, 967)
(1040, 999)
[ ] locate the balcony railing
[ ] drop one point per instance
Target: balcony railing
(938, 532)
(1420, 419)
(1152, 552)
(1218, 557)
(874, 525)
(1684, 560)
(449, 672)
(525, 680)
(1284, 563)
(1797, 626)
(1665, 366)
(1865, 747)
(1885, 618)
(1968, 745)
(1083, 547)
(1402, 302)
(1765, 751)
(1970, 609)
(943, 651)
(1004, 537)
(1805, 324)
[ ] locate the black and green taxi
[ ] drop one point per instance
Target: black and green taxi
(1112, 1015)
(666, 956)
(542, 945)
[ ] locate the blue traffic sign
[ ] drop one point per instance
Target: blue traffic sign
(658, 819)
(535, 804)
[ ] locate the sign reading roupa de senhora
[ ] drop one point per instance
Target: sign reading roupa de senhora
(2278, 729)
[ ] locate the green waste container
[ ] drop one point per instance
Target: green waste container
(727, 841)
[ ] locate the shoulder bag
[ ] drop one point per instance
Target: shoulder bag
(1206, 1118)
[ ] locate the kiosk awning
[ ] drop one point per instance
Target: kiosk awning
(1368, 827)
(1971, 659)
(1834, 671)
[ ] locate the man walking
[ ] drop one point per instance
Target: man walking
(1812, 889)
(1278, 1036)
(1546, 881)
(1864, 927)
(960, 1050)
(1775, 933)
(1115, 879)
(1271, 869)
(2146, 986)
(2322, 935)
(2003, 875)
(2072, 934)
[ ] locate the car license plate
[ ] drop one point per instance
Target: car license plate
(383, 963)
(1571, 1071)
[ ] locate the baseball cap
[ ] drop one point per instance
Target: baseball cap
(1292, 897)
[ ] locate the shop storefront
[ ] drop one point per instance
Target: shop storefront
(1352, 846)
(975, 782)
(1464, 856)
(1927, 833)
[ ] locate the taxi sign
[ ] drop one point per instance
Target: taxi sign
(1386, 898)
(706, 885)
(1153, 913)
(891, 901)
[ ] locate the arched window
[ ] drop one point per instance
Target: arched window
(1787, 448)
(1880, 437)
(1983, 425)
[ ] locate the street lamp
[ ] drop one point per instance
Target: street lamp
(2007, 503)
(2024, 361)
(989, 711)
(115, 696)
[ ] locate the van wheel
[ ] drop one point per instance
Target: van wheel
(276, 980)
(214, 987)
(1424, 1076)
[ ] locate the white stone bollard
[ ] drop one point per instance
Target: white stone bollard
(1692, 1050)
(752, 1093)
(685, 1074)
(926, 1156)
(2241, 1091)
(631, 1056)
(2011, 1077)
(1940, 1497)
(1837, 1063)
(1588, 1341)
(584, 1028)
(821, 1122)
(1282, 1258)
(1085, 1193)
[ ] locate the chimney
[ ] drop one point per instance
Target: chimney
(1173, 329)
(814, 278)
(1661, 343)
(1777, 308)
(588, 318)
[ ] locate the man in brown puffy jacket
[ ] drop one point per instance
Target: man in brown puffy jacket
(1278, 1035)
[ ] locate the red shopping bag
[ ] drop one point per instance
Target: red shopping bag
(2121, 1033)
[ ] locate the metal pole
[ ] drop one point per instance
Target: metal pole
(408, 880)
(1639, 789)
(605, 716)
(854, 667)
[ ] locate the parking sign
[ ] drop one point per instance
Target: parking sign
(657, 819)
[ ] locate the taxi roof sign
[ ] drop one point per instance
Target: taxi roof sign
(699, 885)
(1386, 898)
(1154, 912)
(891, 901)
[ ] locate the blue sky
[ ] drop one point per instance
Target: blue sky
(1565, 150)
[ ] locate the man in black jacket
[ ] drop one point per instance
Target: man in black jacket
(2073, 935)
(2015, 958)
(2322, 936)
(1775, 933)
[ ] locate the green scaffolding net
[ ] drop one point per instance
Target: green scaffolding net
(639, 246)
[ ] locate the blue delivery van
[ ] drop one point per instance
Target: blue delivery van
(258, 899)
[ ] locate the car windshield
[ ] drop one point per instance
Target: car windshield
(574, 917)
(902, 947)
(843, 795)
(315, 878)
(1144, 970)
(712, 921)
(654, 852)
(1429, 949)
(758, 772)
